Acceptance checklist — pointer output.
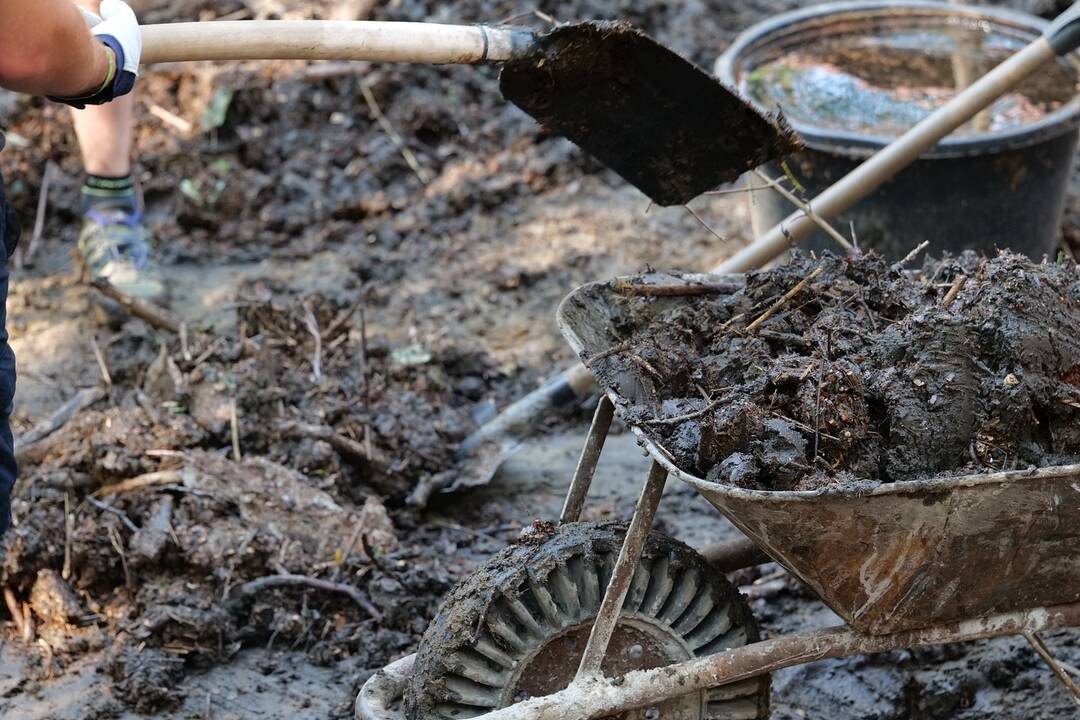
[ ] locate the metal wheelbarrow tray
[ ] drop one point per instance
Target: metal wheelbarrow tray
(906, 564)
(885, 557)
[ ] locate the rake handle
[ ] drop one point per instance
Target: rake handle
(427, 43)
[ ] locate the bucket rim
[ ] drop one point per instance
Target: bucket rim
(1058, 122)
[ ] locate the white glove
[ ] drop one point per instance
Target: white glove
(118, 22)
(118, 29)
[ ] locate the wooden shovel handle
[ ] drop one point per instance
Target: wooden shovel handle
(429, 43)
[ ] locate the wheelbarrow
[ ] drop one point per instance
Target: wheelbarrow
(534, 635)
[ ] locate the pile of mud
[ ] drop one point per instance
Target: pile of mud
(241, 490)
(865, 372)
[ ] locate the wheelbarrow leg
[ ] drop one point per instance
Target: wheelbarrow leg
(1060, 672)
(629, 556)
(590, 455)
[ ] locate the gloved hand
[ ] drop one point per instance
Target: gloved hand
(118, 29)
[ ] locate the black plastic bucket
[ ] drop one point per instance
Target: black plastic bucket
(985, 189)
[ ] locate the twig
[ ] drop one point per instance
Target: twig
(644, 365)
(534, 12)
(27, 624)
(312, 325)
(185, 350)
(118, 545)
(348, 547)
(704, 224)
(740, 190)
(689, 289)
(406, 153)
(170, 118)
(105, 507)
(156, 315)
(817, 406)
(69, 531)
(911, 255)
(102, 365)
(688, 416)
(613, 350)
(954, 290)
(1044, 652)
(150, 479)
(787, 296)
(366, 383)
(82, 399)
(234, 429)
(39, 215)
(284, 579)
(338, 323)
(15, 610)
(339, 442)
(807, 211)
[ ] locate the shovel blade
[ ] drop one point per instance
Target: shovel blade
(659, 121)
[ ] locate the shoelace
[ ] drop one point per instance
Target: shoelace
(131, 246)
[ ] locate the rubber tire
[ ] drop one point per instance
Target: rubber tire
(439, 690)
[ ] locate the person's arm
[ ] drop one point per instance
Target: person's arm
(46, 49)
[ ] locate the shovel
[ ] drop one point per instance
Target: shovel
(484, 450)
(660, 122)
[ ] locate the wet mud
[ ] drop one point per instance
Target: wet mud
(831, 370)
(882, 81)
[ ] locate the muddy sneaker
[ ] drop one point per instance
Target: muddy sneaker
(115, 247)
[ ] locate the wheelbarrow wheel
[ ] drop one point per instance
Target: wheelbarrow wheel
(517, 627)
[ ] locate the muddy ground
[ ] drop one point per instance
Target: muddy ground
(348, 318)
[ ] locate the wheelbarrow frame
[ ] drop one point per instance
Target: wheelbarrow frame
(591, 695)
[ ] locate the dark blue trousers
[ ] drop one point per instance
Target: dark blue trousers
(9, 235)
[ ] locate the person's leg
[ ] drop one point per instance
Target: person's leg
(105, 133)
(9, 235)
(113, 241)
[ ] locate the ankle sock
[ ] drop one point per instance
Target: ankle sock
(106, 193)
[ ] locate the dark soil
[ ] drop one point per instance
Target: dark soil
(866, 372)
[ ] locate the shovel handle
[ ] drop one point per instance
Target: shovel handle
(427, 43)
(1064, 32)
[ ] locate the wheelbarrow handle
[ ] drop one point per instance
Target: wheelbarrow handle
(428, 43)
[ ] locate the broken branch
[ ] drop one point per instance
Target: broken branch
(807, 211)
(787, 296)
(285, 579)
(911, 255)
(150, 479)
(156, 315)
(688, 416)
(954, 290)
(82, 399)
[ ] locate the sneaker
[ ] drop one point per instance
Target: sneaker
(115, 247)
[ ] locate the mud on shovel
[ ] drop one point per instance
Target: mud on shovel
(483, 451)
(657, 120)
